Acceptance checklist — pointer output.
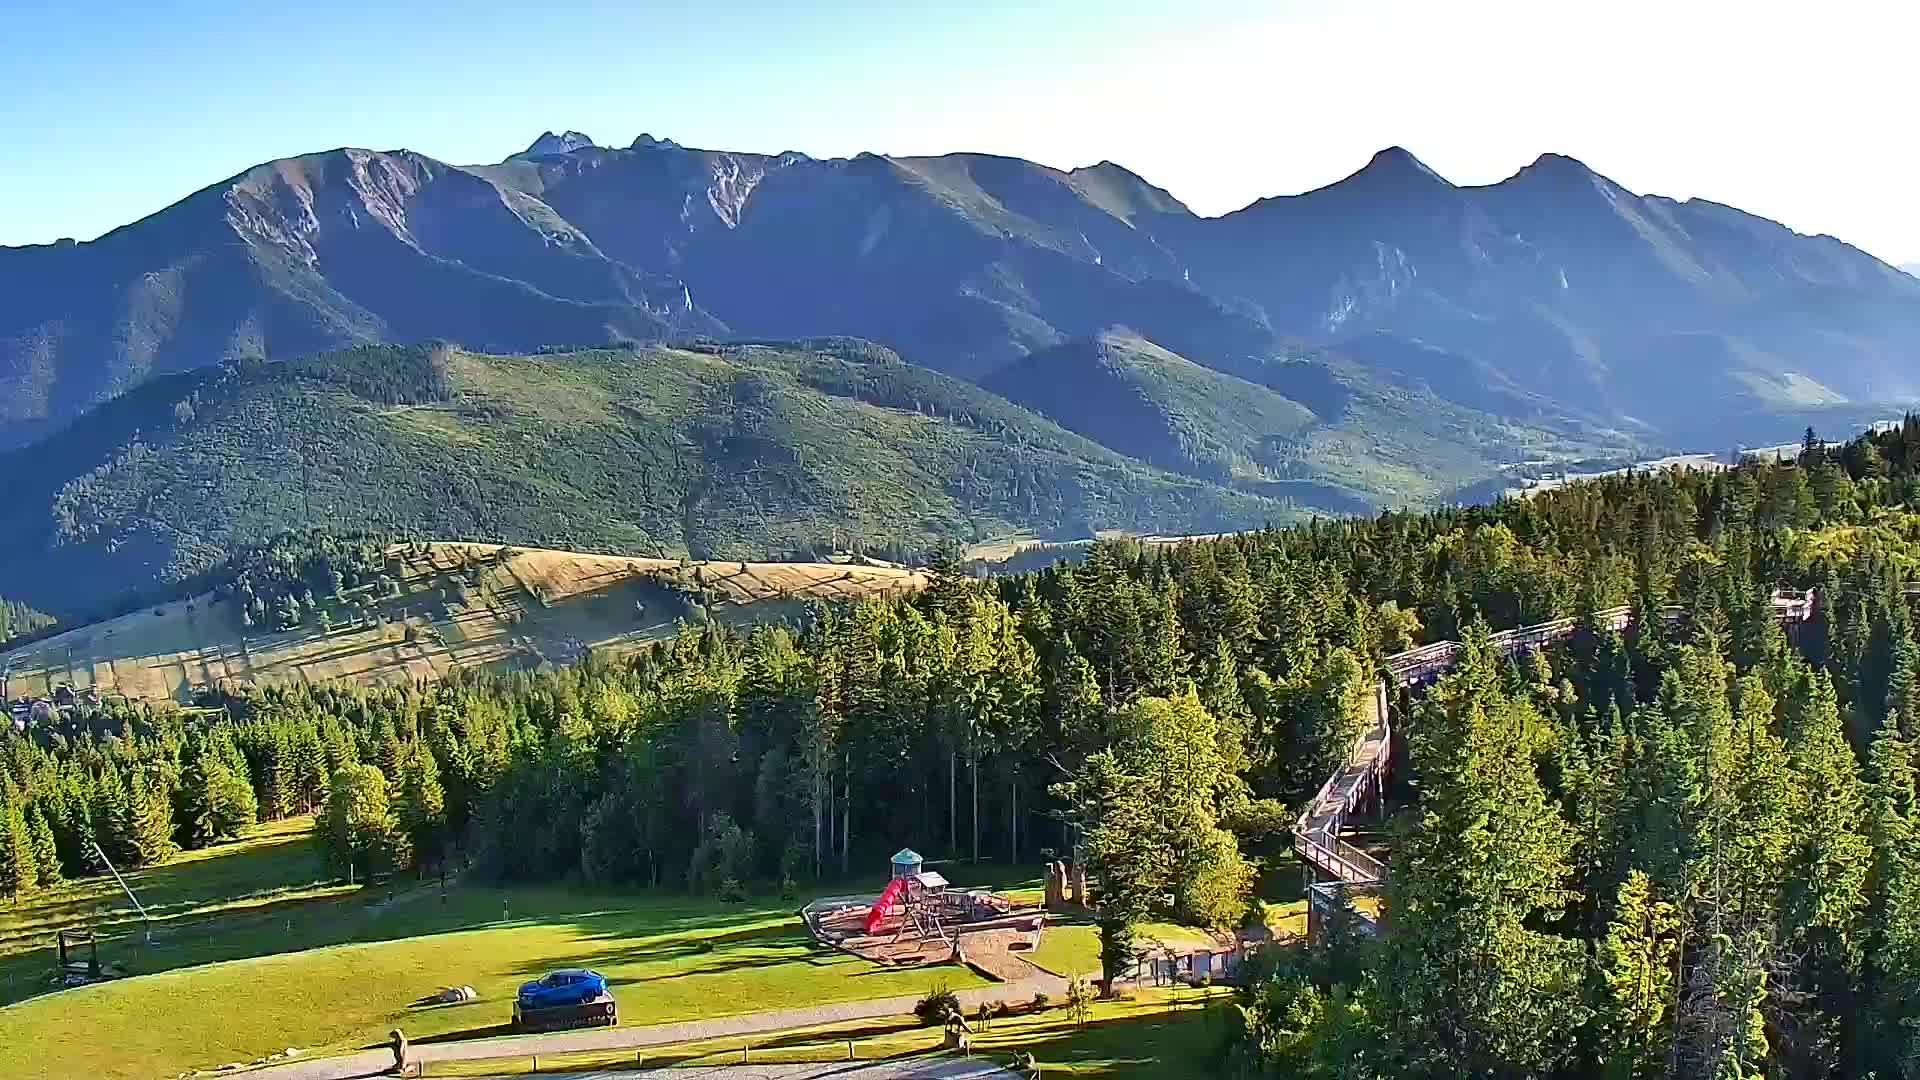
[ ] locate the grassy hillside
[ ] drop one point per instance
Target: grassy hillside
(455, 605)
(724, 453)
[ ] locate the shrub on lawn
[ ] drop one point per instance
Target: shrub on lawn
(1079, 1000)
(940, 1003)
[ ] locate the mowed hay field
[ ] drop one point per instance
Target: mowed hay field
(250, 957)
(528, 607)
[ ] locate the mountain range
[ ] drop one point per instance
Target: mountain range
(1556, 288)
(1389, 339)
(1911, 268)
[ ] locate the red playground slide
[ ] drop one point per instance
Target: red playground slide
(888, 897)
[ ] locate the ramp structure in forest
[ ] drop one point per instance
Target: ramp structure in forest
(1342, 870)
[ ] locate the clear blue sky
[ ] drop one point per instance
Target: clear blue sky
(1802, 112)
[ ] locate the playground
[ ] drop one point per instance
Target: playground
(919, 919)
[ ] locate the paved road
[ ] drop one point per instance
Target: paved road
(373, 1062)
(889, 1070)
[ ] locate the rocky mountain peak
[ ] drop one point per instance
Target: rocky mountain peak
(1397, 165)
(565, 143)
(1558, 170)
(1123, 192)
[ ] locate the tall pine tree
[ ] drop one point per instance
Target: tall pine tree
(1636, 963)
(19, 875)
(1476, 983)
(1893, 905)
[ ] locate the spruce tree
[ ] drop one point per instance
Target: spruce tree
(1768, 810)
(1903, 690)
(226, 803)
(1219, 690)
(1888, 666)
(1593, 781)
(144, 829)
(1695, 695)
(1893, 903)
(1071, 703)
(71, 817)
(1636, 962)
(305, 775)
(420, 809)
(277, 796)
(1663, 788)
(1116, 943)
(1475, 983)
(1827, 879)
(19, 875)
(386, 747)
(112, 818)
(46, 852)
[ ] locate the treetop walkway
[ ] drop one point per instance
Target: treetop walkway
(1361, 778)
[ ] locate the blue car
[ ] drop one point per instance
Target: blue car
(568, 996)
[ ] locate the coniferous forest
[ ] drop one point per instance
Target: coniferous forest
(1691, 849)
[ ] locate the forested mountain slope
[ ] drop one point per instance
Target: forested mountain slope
(733, 452)
(1689, 850)
(1319, 427)
(1125, 392)
(1571, 294)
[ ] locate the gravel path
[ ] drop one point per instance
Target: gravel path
(374, 1062)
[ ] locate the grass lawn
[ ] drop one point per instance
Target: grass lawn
(1074, 948)
(1158, 1035)
(267, 876)
(1283, 888)
(255, 951)
(243, 967)
(1068, 949)
(668, 960)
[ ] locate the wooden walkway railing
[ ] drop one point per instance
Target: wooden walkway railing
(1362, 776)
